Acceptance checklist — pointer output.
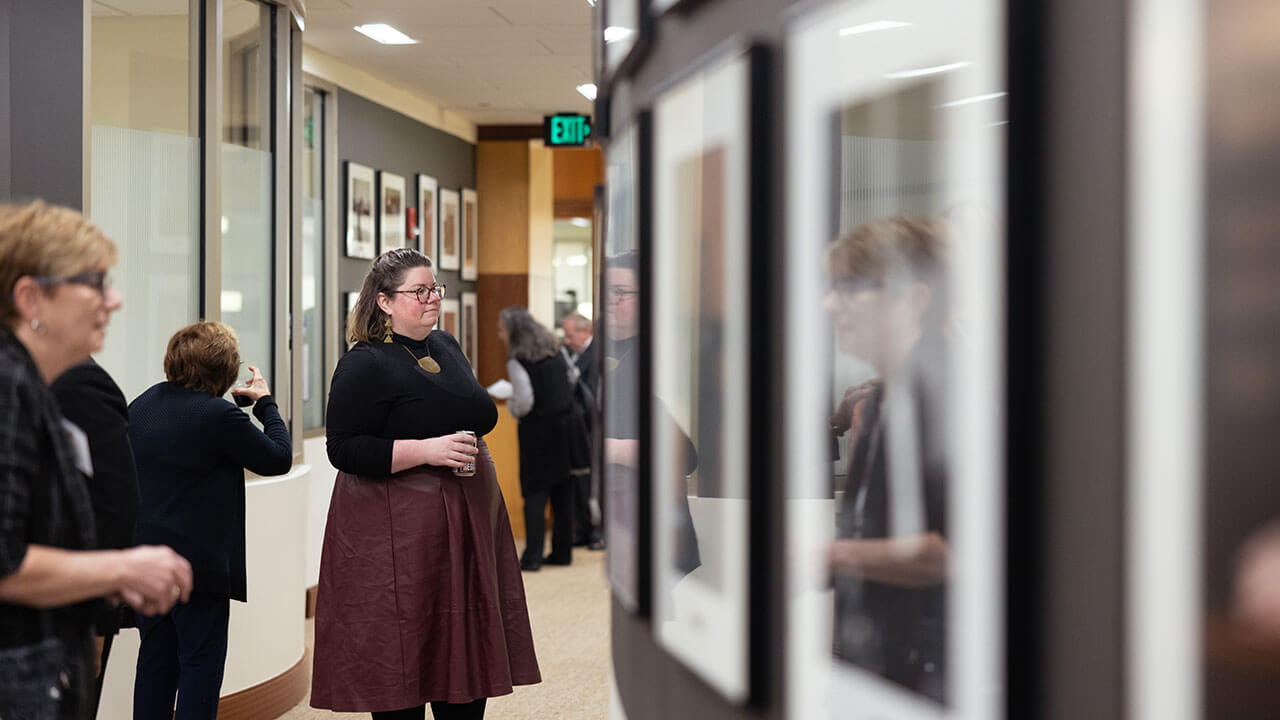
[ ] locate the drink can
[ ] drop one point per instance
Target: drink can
(469, 469)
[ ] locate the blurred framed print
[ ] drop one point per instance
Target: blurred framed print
(450, 231)
(428, 231)
(360, 240)
(699, 419)
(623, 313)
(470, 339)
(892, 416)
(450, 320)
(391, 228)
(470, 235)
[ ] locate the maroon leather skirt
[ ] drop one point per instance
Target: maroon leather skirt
(420, 596)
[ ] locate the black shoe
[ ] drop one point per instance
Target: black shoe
(596, 544)
(549, 560)
(530, 565)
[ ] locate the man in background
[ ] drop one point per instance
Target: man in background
(577, 338)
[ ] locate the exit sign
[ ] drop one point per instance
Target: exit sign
(566, 130)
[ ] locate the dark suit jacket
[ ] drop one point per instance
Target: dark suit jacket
(192, 450)
(588, 362)
(89, 398)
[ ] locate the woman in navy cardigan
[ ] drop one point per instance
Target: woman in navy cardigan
(192, 448)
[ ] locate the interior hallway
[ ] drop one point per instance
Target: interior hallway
(569, 610)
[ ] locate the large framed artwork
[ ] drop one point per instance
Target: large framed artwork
(361, 242)
(391, 227)
(892, 414)
(623, 312)
(470, 235)
(450, 230)
(450, 319)
(428, 230)
(470, 339)
(701, 344)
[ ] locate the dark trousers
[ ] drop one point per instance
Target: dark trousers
(473, 710)
(183, 652)
(535, 524)
(584, 531)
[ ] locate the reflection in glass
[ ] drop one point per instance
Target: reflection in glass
(313, 230)
(247, 189)
(145, 181)
(887, 303)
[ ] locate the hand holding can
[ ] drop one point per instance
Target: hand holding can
(468, 469)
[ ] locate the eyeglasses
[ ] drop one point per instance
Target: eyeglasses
(617, 293)
(422, 294)
(99, 280)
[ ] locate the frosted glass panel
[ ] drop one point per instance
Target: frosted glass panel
(247, 254)
(144, 189)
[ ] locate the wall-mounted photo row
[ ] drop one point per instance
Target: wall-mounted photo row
(361, 242)
(470, 340)
(892, 425)
(391, 227)
(450, 230)
(470, 235)
(699, 420)
(349, 301)
(450, 317)
(428, 230)
(622, 312)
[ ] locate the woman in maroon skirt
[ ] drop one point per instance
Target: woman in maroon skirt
(420, 597)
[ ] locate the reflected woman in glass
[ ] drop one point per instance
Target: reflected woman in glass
(889, 562)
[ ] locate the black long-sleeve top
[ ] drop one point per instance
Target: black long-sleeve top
(192, 450)
(379, 395)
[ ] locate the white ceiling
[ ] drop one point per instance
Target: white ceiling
(493, 62)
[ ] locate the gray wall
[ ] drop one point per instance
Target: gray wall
(41, 101)
(383, 139)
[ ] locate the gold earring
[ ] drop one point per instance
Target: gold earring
(386, 338)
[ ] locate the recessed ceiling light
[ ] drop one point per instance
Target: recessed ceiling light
(580, 222)
(576, 260)
(614, 33)
(974, 99)
(927, 71)
(385, 34)
(872, 27)
(588, 90)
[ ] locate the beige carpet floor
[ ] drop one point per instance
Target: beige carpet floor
(569, 611)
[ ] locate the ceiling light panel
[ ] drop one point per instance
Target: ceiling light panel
(385, 34)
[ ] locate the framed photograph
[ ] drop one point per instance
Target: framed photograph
(360, 202)
(450, 317)
(470, 339)
(349, 302)
(892, 427)
(701, 344)
(622, 312)
(391, 199)
(428, 230)
(470, 235)
(450, 230)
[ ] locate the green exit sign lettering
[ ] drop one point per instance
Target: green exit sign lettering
(566, 130)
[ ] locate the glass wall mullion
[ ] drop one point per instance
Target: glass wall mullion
(211, 159)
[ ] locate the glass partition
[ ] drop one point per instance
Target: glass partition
(313, 286)
(248, 217)
(144, 180)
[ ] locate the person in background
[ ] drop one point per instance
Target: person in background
(55, 302)
(420, 598)
(552, 434)
(587, 529)
(90, 398)
(192, 448)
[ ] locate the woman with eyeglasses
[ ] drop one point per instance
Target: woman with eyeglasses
(420, 598)
(55, 302)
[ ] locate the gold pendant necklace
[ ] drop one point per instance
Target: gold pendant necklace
(427, 363)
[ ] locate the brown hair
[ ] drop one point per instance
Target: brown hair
(366, 321)
(203, 356)
(527, 340)
(892, 248)
(43, 240)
